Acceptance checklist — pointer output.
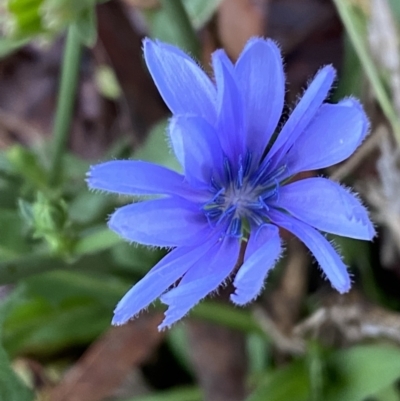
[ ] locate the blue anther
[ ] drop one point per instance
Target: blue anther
(255, 205)
(226, 213)
(257, 219)
(260, 173)
(235, 228)
(247, 163)
(214, 184)
(239, 181)
(228, 171)
(262, 202)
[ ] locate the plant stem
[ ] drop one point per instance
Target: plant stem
(65, 103)
(180, 19)
(357, 37)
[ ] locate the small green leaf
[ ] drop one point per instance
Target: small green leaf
(107, 82)
(290, 383)
(161, 26)
(201, 11)
(363, 371)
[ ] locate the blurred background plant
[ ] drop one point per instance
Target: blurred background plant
(74, 91)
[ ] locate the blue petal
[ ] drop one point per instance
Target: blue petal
(326, 206)
(334, 134)
(198, 144)
(162, 222)
(262, 252)
(230, 125)
(131, 177)
(261, 79)
(171, 268)
(205, 277)
(327, 257)
(304, 112)
(184, 86)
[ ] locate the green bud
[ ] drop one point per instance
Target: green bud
(49, 221)
(26, 164)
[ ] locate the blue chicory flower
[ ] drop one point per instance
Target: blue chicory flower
(236, 182)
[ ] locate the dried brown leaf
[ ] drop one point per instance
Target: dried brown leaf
(106, 363)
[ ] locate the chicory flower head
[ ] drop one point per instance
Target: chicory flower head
(235, 187)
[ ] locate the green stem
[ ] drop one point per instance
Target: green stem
(180, 20)
(66, 98)
(350, 20)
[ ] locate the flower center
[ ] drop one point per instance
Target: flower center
(240, 197)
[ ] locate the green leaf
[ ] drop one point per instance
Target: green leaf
(59, 286)
(395, 4)
(107, 82)
(11, 387)
(27, 164)
(161, 26)
(363, 371)
(156, 148)
(135, 258)
(227, 315)
(257, 350)
(86, 24)
(201, 11)
(27, 17)
(99, 239)
(12, 239)
(351, 77)
(79, 301)
(10, 45)
(179, 345)
(19, 268)
(290, 383)
(89, 207)
(37, 327)
(167, 24)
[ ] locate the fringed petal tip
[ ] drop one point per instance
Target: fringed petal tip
(120, 318)
(342, 283)
(240, 298)
(365, 126)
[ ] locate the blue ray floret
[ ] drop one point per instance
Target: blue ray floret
(236, 182)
